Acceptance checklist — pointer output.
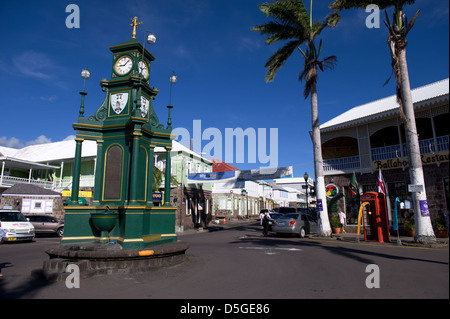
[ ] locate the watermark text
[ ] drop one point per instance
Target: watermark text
(73, 19)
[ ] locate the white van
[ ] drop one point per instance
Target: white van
(14, 226)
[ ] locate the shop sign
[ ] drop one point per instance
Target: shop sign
(157, 196)
(81, 194)
(427, 159)
(331, 190)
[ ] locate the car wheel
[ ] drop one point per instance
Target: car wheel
(60, 232)
(302, 233)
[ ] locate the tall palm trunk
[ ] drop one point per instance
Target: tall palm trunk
(325, 229)
(424, 229)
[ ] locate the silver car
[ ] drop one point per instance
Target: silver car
(44, 224)
(273, 217)
(299, 224)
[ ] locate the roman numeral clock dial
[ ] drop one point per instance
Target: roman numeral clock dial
(123, 65)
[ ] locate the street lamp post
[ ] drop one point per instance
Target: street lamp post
(150, 39)
(85, 75)
(244, 192)
(173, 80)
(306, 177)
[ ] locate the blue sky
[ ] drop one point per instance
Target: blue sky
(218, 59)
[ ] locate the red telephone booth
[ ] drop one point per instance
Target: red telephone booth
(375, 218)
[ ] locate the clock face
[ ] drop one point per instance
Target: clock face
(124, 65)
(143, 69)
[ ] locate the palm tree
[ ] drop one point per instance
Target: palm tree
(398, 30)
(292, 23)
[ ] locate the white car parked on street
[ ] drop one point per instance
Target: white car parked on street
(14, 226)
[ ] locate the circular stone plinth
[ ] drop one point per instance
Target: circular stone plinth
(101, 251)
(106, 259)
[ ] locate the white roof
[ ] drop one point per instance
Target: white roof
(65, 150)
(55, 151)
(7, 151)
(177, 147)
(421, 96)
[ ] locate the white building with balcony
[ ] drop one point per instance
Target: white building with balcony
(370, 137)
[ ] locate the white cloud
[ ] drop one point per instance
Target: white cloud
(249, 43)
(33, 64)
(48, 98)
(70, 138)
(11, 142)
(42, 139)
(16, 143)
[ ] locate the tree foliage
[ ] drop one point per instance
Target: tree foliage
(291, 23)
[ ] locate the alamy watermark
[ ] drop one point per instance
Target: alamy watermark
(73, 280)
(236, 145)
(73, 19)
(373, 19)
(373, 280)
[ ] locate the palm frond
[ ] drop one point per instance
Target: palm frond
(292, 22)
(278, 59)
(329, 63)
(411, 23)
(276, 31)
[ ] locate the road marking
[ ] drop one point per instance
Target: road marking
(270, 248)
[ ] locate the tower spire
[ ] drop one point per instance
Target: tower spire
(135, 24)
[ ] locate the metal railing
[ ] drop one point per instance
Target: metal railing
(342, 164)
(349, 164)
(9, 181)
(56, 184)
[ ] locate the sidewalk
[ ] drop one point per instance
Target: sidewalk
(402, 240)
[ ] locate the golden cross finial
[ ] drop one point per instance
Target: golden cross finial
(135, 24)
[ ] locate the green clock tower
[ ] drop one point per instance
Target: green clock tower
(127, 130)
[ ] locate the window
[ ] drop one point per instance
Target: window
(37, 206)
(222, 203)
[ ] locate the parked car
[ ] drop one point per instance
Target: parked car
(44, 224)
(14, 226)
(301, 224)
(273, 217)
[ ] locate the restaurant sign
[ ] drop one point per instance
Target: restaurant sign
(427, 159)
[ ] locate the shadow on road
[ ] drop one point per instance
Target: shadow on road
(22, 290)
(254, 237)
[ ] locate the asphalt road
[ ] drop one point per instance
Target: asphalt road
(241, 264)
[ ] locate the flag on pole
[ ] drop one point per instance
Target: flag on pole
(353, 188)
(380, 183)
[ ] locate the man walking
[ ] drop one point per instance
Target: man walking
(342, 218)
(264, 221)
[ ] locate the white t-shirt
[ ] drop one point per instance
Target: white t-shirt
(342, 218)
